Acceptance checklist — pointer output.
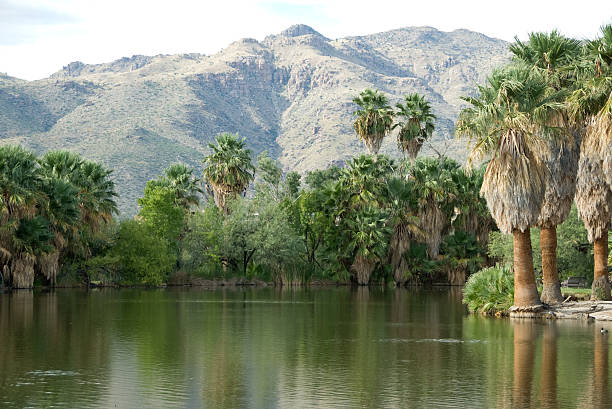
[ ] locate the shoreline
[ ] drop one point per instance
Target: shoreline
(573, 310)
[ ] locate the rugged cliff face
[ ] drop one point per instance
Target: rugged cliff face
(290, 94)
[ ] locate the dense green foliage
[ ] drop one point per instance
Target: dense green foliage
(51, 209)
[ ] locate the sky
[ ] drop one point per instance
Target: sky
(39, 37)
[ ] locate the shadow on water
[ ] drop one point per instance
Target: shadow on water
(289, 347)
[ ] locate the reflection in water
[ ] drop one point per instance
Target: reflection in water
(266, 348)
(524, 353)
(600, 394)
(548, 377)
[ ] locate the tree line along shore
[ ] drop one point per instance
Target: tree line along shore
(542, 125)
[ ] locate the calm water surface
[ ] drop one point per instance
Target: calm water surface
(270, 348)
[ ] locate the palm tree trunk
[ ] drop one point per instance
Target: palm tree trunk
(362, 268)
(551, 291)
(601, 285)
(525, 290)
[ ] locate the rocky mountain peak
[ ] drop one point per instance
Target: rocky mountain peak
(298, 30)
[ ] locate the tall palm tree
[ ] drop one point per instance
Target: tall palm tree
(507, 121)
(552, 54)
(416, 124)
(228, 169)
(374, 119)
(591, 106)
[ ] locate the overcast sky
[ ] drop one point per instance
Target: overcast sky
(38, 37)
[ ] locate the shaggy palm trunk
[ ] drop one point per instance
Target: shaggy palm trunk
(49, 266)
(412, 148)
(373, 143)
(432, 222)
(362, 268)
(523, 361)
(22, 271)
(601, 285)
(400, 243)
(525, 290)
(548, 384)
(551, 290)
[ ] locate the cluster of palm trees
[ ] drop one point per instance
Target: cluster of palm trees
(375, 119)
(50, 207)
(376, 211)
(545, 120)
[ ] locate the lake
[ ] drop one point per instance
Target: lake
(289, 348)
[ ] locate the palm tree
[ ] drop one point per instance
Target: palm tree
(62, 211)
(472, 214)
(22, 235)
(416, 126)
(96, 189)
(405, 223)
(434, 188)
(551, 54)
(591, 106)
(228, 169)
(96, 194)
(374, 119)
(360, 229)
(180, 179)
(369, 241)
(507, 120)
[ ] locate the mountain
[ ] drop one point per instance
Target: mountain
(289, 94)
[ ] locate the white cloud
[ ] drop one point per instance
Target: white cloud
(99, 31)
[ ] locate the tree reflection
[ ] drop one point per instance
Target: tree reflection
(523, 362)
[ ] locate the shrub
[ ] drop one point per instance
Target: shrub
(143, 257)
(490, 290)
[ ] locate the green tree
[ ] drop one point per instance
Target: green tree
(374, 119)
(179, 178)
(62, 211)
(228, 169)
(403, 207)
(141, 255)
(161, 213)
(358, 216)
(202, 247)
(435, 190)
(23, 234)
(416, 124)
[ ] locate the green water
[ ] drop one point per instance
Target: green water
(270, 348)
